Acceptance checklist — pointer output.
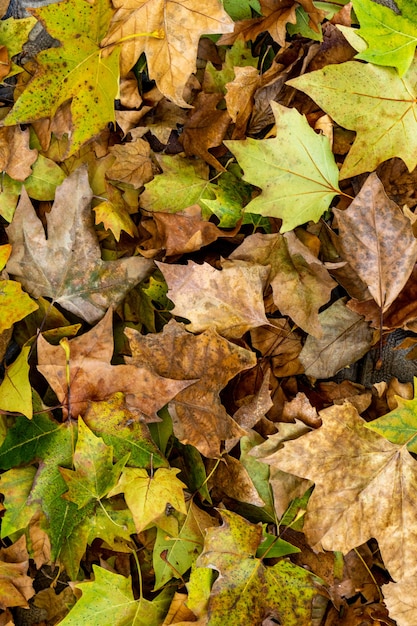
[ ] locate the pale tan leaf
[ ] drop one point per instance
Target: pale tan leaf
(400, 598)
(377, 240)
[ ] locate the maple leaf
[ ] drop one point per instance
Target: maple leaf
(15, 303)
(15, 586)
(16, 484)
(346, 338)
(391, 35)
(92, 377)
(67, 265)
(247, 591)
(400, 599)
(15, 389)
(365, 487)
(229, 300)
(108, 599)
(199, 417)
(301, 285)
(387, 124)
(171, 55)
(76, 70)
(114, 213)
(133, 163)
(378, 241)
(16, 158)
(295, 170)
(94, 475)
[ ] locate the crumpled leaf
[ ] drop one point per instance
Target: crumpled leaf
(295, 170)
(365, 487)
(67, 266)
(230, 300)
(301, 285)
(377, 240)
(15, 586)
(92, 377)
(171, 50)
(346, 338)
(108, 599)
(148, 496)
(247, 591)
(387, 124)
(198, 416)
(390, 35)
(76, 70)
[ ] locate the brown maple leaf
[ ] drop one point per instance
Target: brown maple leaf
(16, 158)
(93, 378)
(174, 30)
(198, 416)
(15, 585)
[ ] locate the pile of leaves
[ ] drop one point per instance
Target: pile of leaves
(207, 213)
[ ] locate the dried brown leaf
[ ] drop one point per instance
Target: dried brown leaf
(16, 158)
(378, 241)
(198, 416)
(133, 164)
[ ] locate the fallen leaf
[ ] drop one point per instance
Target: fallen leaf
(295, 170)
(387, 122)
(171, 44)
(301, 285)
(92, 377)
(205, 128)
(16, 158)
(67, 265)
(133, 163)
(232, 479)
(77, 70)
(229, 300)
(15, 389)
(15, 585)
(346, 338)
(280, 345)
(365, 487)
(401, 601)
(199, 418)
(114, 214)
(378, 242)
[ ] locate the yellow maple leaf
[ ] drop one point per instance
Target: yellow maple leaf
(177, 26)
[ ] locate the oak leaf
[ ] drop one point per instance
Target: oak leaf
(199, 417)
(365, 487)
(378, 242)
(92, 377)
(229, 300)
(67, 265)
(387, 124)
(174, 30)
(295, 170)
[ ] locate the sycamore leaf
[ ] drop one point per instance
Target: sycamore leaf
(391, 35)
(67, 265)
(199, 417)
(94, 475)
(16, 157)
(171, 48)
(15, 389)
(14, 33)
(401, 601)
(387, 124)
(118, 427)
(301, 285)
(92, 377)
(15, 586)
(180, 551)
(247, 591)
(184, 182)
(108, 601)
(378, 242)
(15, 304)
(230, 300)
(365, 487)
(15, 485)
(346, 338)
(295, 170)
(114, 213)
(76, 70)
(148, 497)
(133, 163)
(400, 424)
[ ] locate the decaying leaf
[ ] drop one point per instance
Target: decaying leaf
(198, 416)
(377, 240)
(67, 265)
(92, 377)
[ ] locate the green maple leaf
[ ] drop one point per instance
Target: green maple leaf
(399, 425)
(76, 71)
(108, 601)
(247, 591)
(373, 101)
(391, 36)
(296, 170)
(94, 475)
